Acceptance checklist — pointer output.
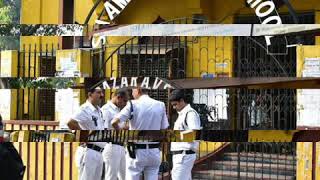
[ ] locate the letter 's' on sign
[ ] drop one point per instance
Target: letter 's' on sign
(115, 7)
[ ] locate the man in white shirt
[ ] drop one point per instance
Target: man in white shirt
(147, 114)
(89, 117)
(114, 152)
(184, 153)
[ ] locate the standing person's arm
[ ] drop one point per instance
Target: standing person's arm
(73, 125)
(164, 119)
(107, 118)
(76, 119)
(122, 116)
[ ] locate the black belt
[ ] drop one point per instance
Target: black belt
(146, 146)
(184, 151)
(117, 143)
(94, 147)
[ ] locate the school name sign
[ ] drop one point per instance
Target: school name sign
(134, 82)
(113, 9)
(267, 13)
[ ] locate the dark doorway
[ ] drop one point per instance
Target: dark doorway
(68, 18)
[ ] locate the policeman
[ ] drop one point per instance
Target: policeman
(147, 114)
(89, 117)
(184, 153)
(114, 152)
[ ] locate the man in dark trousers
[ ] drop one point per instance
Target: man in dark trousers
(11, 164)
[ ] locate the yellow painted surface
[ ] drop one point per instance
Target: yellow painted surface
(304, 160)
(270, 136)
(217, 11)
(142, 11)
(306, 52)
(207, 147)
(209, 55)
(79, 58)
(82, 9)
(318, 161)
(40, 12)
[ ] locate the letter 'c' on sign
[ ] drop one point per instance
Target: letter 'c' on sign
(262, 5)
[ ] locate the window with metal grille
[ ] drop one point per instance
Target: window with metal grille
(153, 57)
(47, 66)
(46, 104)
(272, 108)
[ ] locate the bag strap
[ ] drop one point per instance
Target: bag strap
(131, 110)
(185, 119)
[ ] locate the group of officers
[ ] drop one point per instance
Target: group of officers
(111, 160)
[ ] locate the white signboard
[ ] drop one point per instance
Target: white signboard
(67, 102)
(5, 103)
(207, 30)
(69, 67)
(308, 100)
(5, 68)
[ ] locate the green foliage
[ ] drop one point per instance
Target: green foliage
(9, 14)
(41, 83)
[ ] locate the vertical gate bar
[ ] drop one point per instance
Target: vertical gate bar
(35, 60)
(23, 95)
(52, 59)
(24, 62)
(17, 105)
(20, 52)
(294, 158)
(238, 165)
(247, 151)
(262, 152)
(286, 148)
(277, 156)
(45, 92)
(279, 114)
(270, 151)
(237, 91)
(29, 61)
(254, 158)
(101, 65)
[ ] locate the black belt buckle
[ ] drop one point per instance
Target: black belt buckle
(147, 146)
(117, 143)
(183, 151)
(131, 150)
(95, 147)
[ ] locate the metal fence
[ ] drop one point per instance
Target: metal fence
(184, 57)
(215, 160)
(250, 161)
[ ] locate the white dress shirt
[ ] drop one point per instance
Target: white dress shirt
(148, 114)
(90, 117)
(109, 111)
(191, 122)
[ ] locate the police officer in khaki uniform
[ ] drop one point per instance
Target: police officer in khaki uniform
(89, 117)
(184, 153)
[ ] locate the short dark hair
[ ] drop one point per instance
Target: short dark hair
(178, 94)
(91, 84)
(122, 92)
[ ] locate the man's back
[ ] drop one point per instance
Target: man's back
(148, 114)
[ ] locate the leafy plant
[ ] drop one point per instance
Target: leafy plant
(41, 83)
